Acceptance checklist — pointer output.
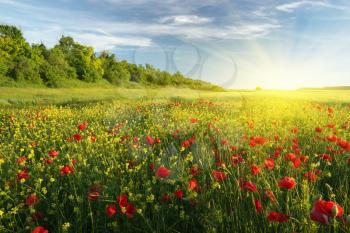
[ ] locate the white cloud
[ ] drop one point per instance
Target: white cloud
(290, 7)
(185, 19)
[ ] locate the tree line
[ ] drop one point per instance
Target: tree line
(70, 63)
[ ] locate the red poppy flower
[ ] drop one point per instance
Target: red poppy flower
(22, 174)
(122, 200)
(93, 196)
(323, 211)
(66, 170)
(194, 120)
(21, 159)
(195, 170)
(32, 199)
(311, 176)
(130, 210)
(53, 153)
(326, 157)
(93, 138)
(163, 172)
(254, 170)
(290, 157)
(248, 185)
(296, 162)
(77, 137)
(83, 126)
(219, 176)
(258, 206)
(269, 164)
(295, 130)
(166, 197)
(236, 159)
(277, 217)
(149, 140)
(151, 167)
(48, 161)
(179, 194)
(287, 183)
(186, 144)
(111, 210)
(192, 184)
(318, 130)
(40, 229)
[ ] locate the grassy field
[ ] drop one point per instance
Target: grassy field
(174, 160)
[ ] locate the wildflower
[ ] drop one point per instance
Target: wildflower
(32, 199)
(22, 175)
(318, 130)
(236, 159)
(192, 184)
(130, 210)
(122, 200)
(150, 141)
(151, 167)
(166, 197)
(258, 206)
(77, 137)
(111, 210)
(219, 176)
(179, 194)
(287, 183)
(21, 160)
(194, 170)
(66, 170)
(53, 153)
(83, 126)
(93, 196)
(247, 185)
(40, 229)
(163, 172)
(269, 164)
(254, 170)
(277, 217)
(323, 211)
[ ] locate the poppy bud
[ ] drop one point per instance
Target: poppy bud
(335, 211)
(317, 197)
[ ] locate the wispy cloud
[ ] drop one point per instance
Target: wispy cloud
(185, 19)
(290, 7)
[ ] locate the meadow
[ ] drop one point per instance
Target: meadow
(174, 160)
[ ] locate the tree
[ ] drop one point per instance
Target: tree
(82, 59)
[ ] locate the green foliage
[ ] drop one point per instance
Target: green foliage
(70, 63)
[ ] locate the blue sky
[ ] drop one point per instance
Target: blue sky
(232, 43)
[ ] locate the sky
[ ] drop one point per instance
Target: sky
(274, 44)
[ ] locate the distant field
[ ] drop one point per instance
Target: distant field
(43, 96)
